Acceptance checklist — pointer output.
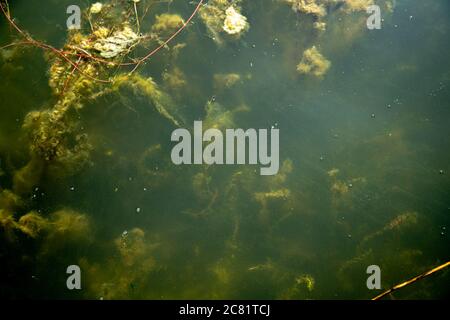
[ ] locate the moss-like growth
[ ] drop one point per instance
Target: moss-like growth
(235, 23)
(147, 87)
(66, 228)
(226, 81)
(56, 141)
(223, 20)
(316, 8)
(10, 201)
(127, 273)
(26, 178)
(357, 5)
(217, 116)
(8, 226)
(303, 285)
(166, 24)
(174, 79)
(33, 224)
(314, 63)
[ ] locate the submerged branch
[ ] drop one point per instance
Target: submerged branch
(410, 281)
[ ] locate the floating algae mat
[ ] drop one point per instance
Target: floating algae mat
(224, 149)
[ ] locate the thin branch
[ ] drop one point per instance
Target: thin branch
(165, 43)
(410, 281)
(70, 76)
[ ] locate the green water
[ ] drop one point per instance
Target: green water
(365, 150)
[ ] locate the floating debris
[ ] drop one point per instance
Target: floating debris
(235, 22)
(119, 43)
(96, 8)
(221, 20)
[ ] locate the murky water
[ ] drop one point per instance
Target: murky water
(364, 150)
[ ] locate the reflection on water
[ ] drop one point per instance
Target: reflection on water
(86, 176)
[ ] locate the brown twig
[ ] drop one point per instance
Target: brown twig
(165, 43)
(410, 281)
(70, 76)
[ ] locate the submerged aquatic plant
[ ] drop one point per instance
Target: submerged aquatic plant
(234, 22)
(314, 63)
(95, 61)
(116, 44)
(223, 18)
(261, 232)
(127, 272)
(226, 81)
(86, 68)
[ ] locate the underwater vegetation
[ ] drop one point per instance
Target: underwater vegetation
(86, 176)
(223, 20)
(313, 63)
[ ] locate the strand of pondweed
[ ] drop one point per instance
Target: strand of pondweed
(70, 76)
